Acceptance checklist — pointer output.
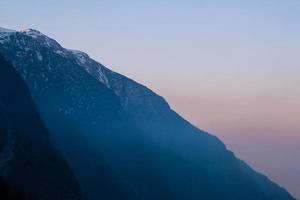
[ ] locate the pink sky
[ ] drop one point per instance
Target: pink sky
(264, 131)
(230, 67)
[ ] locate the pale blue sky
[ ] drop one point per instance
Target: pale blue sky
(231, 67)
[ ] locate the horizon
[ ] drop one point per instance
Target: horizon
(236, 78)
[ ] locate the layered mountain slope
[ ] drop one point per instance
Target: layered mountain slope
(29, 164)
(147, 149)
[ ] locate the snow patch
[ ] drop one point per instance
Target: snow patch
(31, 32)
(5, 34)
(60, 52)
(80, 56)
(86, 62)
(101, 76)
(39, 56)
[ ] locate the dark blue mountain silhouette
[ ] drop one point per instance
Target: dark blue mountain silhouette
(122, 140)
(29, 164)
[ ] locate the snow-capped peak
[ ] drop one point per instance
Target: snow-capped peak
(39, 39)
(42, 38)
(31, 32)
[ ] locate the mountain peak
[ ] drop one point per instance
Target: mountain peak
(41, 38)
(32, 32)
(29, 30)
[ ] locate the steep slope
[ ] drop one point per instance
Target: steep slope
(201, 160)
(28, 161)
(148, 149)
(86, 120)
(226, 177)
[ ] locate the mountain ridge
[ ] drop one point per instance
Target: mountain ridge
(194, 154)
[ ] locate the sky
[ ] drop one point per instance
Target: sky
(230, 67)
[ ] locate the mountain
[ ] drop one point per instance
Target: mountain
(121, 139)
(76, 107)
(29, 163)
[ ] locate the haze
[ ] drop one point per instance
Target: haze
(230, 67)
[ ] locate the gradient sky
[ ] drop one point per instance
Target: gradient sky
(230, 67)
